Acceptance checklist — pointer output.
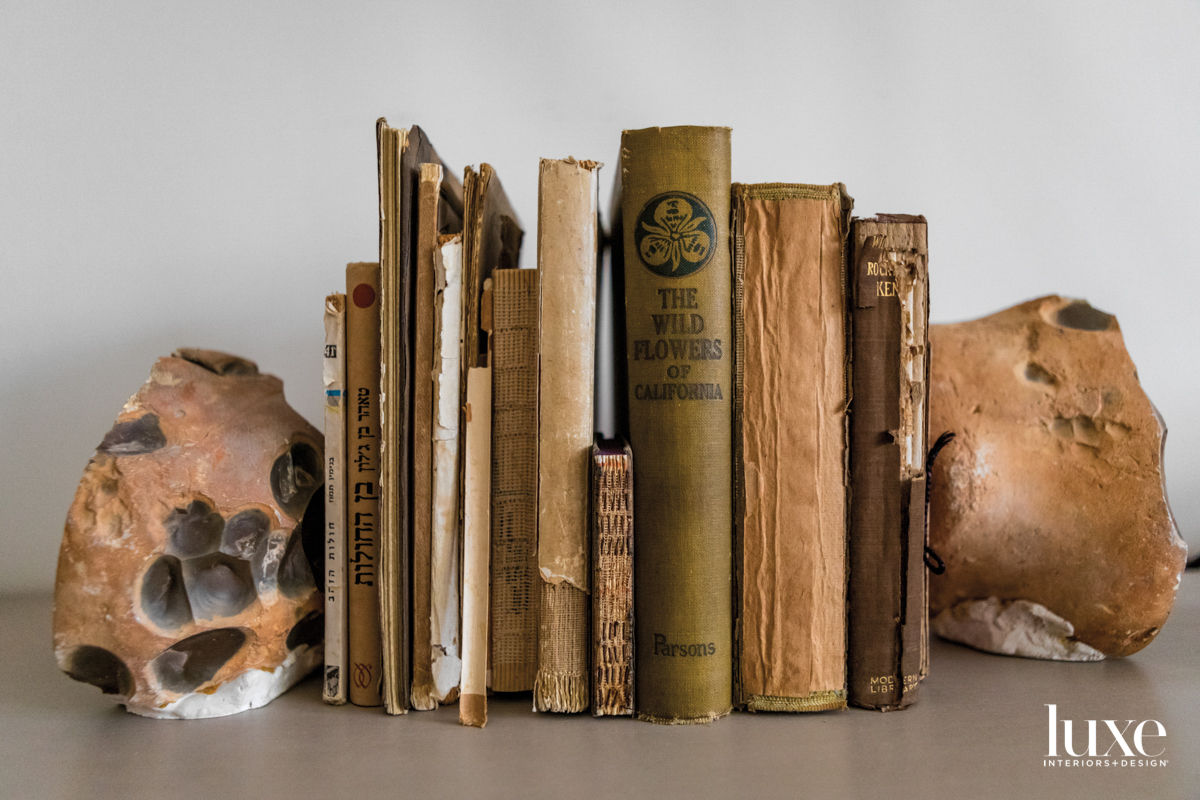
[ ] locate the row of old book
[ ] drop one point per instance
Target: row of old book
(769, 373)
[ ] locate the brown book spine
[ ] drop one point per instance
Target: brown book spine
(362, 491)
(612, 579)
(514, 582)
(887, 595)
(792, 375)
(424, 695)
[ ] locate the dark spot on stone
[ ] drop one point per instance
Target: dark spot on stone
(218, 585)
(134, 437)
(295, 574)
(222, 364)
(243, 532)
(186, 665)
(295, 475)
(1081, 316)
(312, 537)
(99, 667)
(1086, 432)
(1036, 373)
(268, 556)
(309, 631)
(193, 531)
(164, 598)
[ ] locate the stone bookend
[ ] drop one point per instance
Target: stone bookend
(183, 586)
(1049, 507)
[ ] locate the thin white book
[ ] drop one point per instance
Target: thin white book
(446, 542)
(334, 374)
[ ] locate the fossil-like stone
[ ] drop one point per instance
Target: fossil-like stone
(183, 588)
(1049, 507)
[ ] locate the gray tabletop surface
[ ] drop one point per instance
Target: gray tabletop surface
(979, 730)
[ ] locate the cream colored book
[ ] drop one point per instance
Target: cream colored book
(472, 709)
(568, 198)
(334, 374)
(445, 541)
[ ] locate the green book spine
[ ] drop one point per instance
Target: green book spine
(675, 202)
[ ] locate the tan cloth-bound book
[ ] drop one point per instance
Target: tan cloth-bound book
(334, 377)
(790, 428)
(567, 260)
(362, 483)
(514, 582)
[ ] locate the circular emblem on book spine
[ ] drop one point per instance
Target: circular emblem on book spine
(675, 234)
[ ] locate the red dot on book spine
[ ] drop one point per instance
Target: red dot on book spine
(364, 295)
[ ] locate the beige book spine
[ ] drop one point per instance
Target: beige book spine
(568, 200)
(428, 200)
(514, 582)
(334, 376)
(362, 490)
(445, 541)
(477, 412)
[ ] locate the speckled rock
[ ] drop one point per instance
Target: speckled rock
(1049, 507)
(183, 586)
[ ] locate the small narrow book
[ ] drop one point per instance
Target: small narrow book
(362, 484)
(472, 707)
(790, 426)
(568, 242)
(514, 582)
(438, 201)
(445, 531)
(674, 187)
(334, 375)
(611, 517)
(887, 596)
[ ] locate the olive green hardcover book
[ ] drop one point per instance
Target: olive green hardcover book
(674, 185)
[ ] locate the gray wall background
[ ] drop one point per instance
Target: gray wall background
(199, 174)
